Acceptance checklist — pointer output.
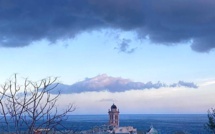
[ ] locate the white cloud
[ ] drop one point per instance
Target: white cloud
(154, 101)
(114, 84)
(207, 83)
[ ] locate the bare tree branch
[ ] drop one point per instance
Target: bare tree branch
(30, 105)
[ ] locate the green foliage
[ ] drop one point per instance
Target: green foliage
(211, 121)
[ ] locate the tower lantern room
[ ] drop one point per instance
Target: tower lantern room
(113, 116)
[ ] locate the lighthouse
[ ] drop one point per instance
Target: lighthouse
(113, 116)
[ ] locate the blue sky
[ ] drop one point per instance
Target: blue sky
(160, 43)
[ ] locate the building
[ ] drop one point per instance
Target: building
(43, 131)
(113, 126)
(114, 123)
(113, 116)
(152, 130)
(125, 130)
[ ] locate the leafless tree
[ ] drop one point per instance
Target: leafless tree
(30, 106)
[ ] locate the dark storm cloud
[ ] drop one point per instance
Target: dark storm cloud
(114, 84)
(165, 21)
(124, 46)
(26, 21)
(184, 84)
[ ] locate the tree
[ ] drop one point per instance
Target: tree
(211, 121)
(30, 106)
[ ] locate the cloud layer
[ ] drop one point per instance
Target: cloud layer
(114, 84)
(165, 22)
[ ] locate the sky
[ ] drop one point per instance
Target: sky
(146, 56)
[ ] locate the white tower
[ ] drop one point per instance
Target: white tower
(113, 116)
